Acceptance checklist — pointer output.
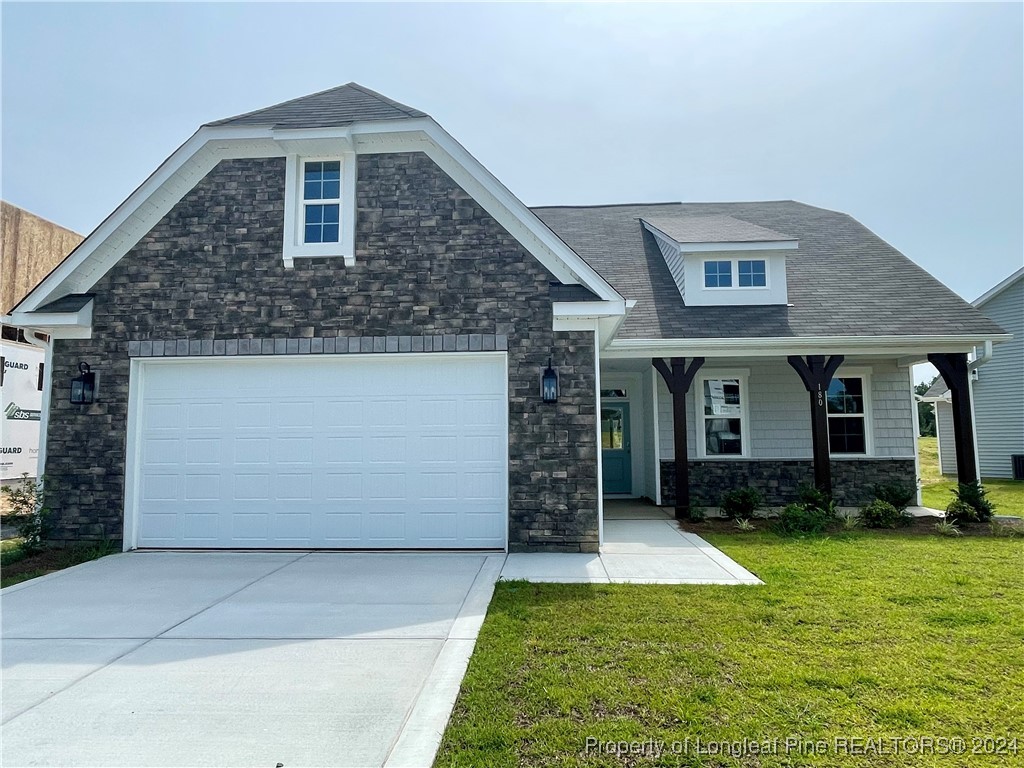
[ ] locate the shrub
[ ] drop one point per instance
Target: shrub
(899, 496)
(961, 512)
(741, 503)
(946, 528)
(882, 514)
(744, 525)
(974, 496)
(799, 518)
(28, 506)
(809, 496)
(851, 521)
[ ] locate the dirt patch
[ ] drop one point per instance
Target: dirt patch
(47, 560)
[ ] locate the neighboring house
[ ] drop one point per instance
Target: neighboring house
(998, 390)
(325, 324)
(30, 247)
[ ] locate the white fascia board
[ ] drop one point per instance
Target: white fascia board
(119, 232)
(890, 346)
(603, 317)
(60, 325)
(994, 291)
(771, 245)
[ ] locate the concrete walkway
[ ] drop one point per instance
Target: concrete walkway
(642, 545)
(239, 659)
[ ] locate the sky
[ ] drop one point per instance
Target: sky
(909, 117)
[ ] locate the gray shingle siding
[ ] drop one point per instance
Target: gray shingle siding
(779, 412)
(999, 390)
(843, 280)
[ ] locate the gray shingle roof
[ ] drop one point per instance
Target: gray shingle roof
(713, 229)
(937, 389)
(343, 105)
(843, 280)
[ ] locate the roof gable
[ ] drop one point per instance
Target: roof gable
(343, 105)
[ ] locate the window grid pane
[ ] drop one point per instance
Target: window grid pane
(718, 274)
(321, 223)
(846, 396)
(322, 181)
(753, 274)
(723, 423)
(846, 434)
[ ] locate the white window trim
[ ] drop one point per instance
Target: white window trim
(864, 374)
(698, 399)
(734, 272)
(294, 206)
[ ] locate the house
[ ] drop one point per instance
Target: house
(997, 389)
(30, 246)
(326, 324)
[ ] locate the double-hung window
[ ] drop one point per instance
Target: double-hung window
(722, 415)
(847, 416)
(321, 201)
(320, 207)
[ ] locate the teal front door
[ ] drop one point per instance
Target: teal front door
(616, 459)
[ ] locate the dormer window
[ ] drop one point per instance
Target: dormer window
(744, 273)
(718, 274)
(753, 273)
(720, 260)
(320, 208)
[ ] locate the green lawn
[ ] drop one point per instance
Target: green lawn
(860, 635)
(1008, 495)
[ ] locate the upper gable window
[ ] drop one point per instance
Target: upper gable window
(321, 192)
(320, 207)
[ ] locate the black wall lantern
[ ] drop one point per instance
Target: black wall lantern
(549, 384)
(83, 387)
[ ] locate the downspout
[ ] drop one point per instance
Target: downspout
(44, 415)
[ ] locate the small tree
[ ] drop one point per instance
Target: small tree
(27, 501)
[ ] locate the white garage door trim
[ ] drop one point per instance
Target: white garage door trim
(140, 368)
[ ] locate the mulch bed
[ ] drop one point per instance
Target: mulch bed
(47, 560)
(918, 526)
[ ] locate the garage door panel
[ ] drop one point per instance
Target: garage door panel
(356, 453)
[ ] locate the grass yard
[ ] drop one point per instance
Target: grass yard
(1008, 495)
(858, 635)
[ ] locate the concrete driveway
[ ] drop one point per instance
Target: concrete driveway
(239, 659)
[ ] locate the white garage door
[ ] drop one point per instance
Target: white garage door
(326, 452)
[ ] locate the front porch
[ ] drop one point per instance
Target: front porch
(844, 424)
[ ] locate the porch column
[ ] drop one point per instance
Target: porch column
(816, 373)
(678, 378)
(954, 371)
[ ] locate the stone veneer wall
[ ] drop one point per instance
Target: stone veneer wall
(853, 480)
(429, 262)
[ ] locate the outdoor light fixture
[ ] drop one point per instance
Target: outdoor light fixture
(83, 387)
(549, 385)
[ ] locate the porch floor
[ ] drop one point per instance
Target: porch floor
(642, 545)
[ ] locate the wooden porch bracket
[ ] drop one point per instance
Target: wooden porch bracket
(816, 373)
(953, 368)
(678, 376)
